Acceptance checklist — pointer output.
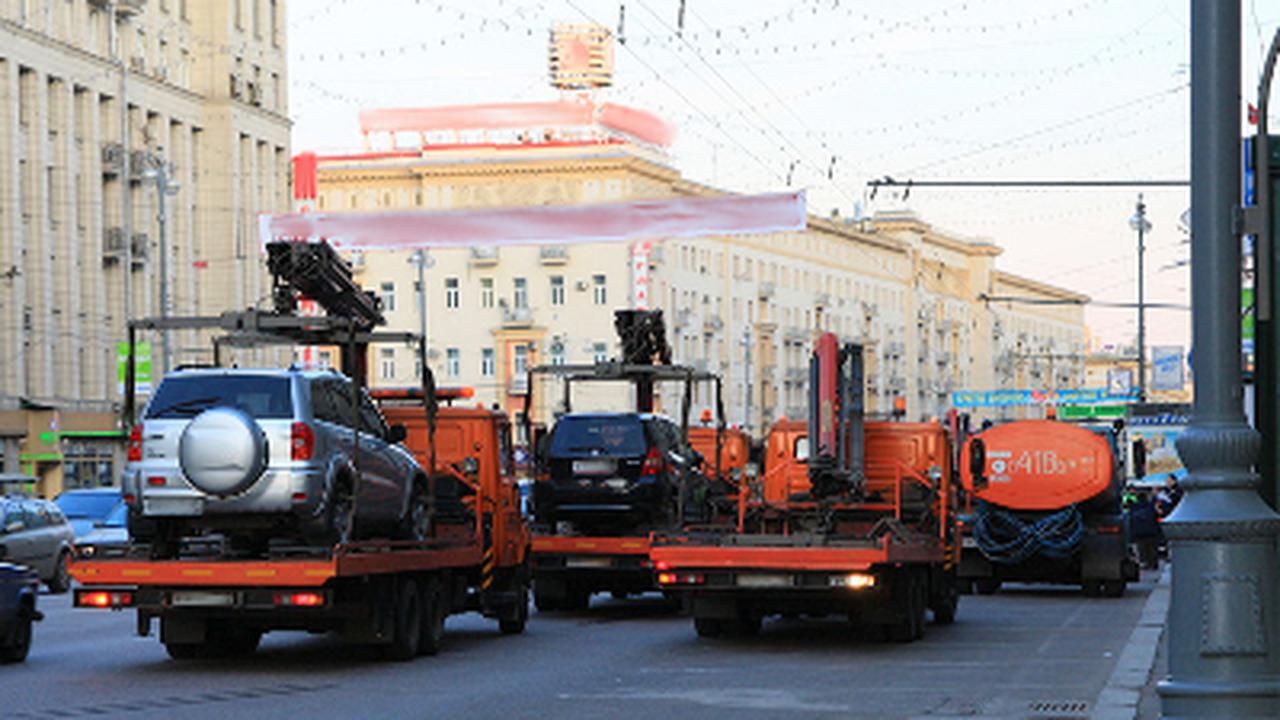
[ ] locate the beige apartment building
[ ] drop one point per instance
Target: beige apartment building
(747, 307)
(95, 95)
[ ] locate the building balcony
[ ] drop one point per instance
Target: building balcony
(712, 325)
(797, 374)
(799, 336)
(822, 300)
(766, 290)
(484, 256)
(357, 261)
(517, 317)
(553, 254)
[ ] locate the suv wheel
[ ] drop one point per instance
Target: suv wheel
(60, 582)
(340, 514)
(417, 518)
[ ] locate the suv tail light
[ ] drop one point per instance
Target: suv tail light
(302, 441)
(652, 463)
(135, 443)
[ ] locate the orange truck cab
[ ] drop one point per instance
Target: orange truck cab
(473, 459)
(735, 451)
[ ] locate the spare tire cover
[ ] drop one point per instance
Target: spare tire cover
(223, 451)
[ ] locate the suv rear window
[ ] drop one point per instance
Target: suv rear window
(622, 435)
(261, 397)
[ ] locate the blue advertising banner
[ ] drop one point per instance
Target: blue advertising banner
(1011, 398)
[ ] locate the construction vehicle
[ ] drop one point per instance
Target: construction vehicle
(1043, 505)
(394, 594)
(594, 511)
(849, 517)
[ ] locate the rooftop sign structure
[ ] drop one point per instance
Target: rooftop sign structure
(581, 57)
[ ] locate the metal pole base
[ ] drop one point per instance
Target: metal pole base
(1224, 658)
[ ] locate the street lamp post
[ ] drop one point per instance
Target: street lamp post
(1141, 225)
(420, 259)
(160, 173)
(1224, 650)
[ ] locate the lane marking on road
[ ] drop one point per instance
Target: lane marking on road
(144, 705)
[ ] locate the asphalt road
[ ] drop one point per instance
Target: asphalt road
(1026, 652)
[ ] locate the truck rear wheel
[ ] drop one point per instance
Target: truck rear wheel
(406, 631)
(548, 597)
(577, 599)
(915, 598)
(434, 612)
(945, 601)
(708, 627)
(986, 586)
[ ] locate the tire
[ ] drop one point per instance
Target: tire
(416, 524)
(946, 602)
(1113, 588)
(235, 642)
(60, 581)
(433, 617)
(406, 630)
(18, 644)
(545, 600)
(185, 651)
(911, 627)
(618, 595)
(1091, 588)
(708, 627)
(747, 625)
(986, 586)
(339, 510)
(577, 599)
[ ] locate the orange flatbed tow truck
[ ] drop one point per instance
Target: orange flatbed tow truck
(848, 518)
(394, 594)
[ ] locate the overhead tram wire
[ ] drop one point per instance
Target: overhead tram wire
(685, 98)
(733, 89)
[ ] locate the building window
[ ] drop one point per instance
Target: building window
(387, 366)
(520, 294)
(451, 296)
(600, 292)
(520, 360)
(486, 362)
(557, 289)
(453, 362)
(417, 366)
(600, 352)
(389, 296)
(486, 292)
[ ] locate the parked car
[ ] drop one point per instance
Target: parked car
(615, 471)
(18, 586)
(261, 454)
(108, 534)
(86, 507)
(36, 534)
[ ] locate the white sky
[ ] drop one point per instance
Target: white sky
(927, 89)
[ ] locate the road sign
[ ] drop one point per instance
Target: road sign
(141, 367)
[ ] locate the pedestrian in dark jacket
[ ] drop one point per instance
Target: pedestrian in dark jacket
(1144, 529)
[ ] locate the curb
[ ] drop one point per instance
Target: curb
(1119, 698)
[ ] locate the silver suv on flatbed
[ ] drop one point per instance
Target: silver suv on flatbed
(263, 454)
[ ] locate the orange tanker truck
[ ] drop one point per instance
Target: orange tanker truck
(1043, 505)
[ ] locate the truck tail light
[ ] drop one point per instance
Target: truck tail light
(135, 443)
(854, 581)
(1108, 529)
(103, 598)
(652, 463)
(299, 599)
(674, 578)
(302, 441)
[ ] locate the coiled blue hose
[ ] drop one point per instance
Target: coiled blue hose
(1008, 540)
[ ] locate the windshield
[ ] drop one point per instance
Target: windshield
(79, 505)
(260, 397)
(118, 518)
(620, 435)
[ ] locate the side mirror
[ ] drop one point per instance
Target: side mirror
(978, 463)
(397, 434)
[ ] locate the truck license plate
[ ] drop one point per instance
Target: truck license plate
(197, 598)
(177, 507)
(763, 580)
(588, 562)
(968, 542)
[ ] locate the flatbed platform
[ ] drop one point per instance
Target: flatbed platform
(312, 570)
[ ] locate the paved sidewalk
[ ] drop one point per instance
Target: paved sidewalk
(1130, 693)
